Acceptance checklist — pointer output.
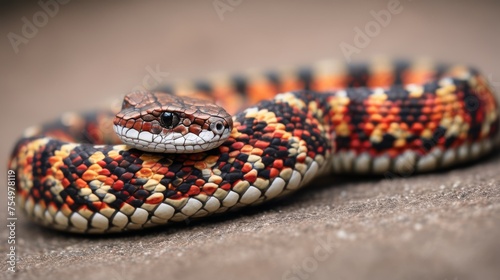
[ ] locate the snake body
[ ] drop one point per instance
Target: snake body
(379, 118)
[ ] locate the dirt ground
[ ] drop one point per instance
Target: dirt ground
(441, 225)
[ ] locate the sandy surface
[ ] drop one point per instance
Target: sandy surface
(434, 226)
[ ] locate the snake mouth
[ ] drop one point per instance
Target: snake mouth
(171, 142)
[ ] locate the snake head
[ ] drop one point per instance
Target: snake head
(161, 122)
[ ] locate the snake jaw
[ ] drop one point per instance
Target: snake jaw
(172, 142)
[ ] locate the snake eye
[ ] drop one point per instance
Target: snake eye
(169, 119)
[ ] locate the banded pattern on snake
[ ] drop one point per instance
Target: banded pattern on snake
(378, 118)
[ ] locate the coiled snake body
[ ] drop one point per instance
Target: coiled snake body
(191, 159)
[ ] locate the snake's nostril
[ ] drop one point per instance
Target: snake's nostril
(217, 127)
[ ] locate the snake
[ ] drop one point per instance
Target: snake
(193, 149)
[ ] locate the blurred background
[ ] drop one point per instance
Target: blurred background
(59, 56)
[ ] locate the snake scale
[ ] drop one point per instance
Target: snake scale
(186, 158)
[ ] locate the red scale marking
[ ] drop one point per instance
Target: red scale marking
(274, 173)
(130, 199)
(250, 177)
(301, 158)
(47, 194)
(246, 167)
(162, 170)
(170, 174)
(104, 172)
(81, 167)
(209, 190)
(193, 190)
(77, 159)
(178, 195)
(191, 178)
(187, 169)
(154, 200)
(99, 205)
(65, 183)
(237, 145)
(226, 186)
(200, 182)
(118, 185)
(367, 144)
(127, 175)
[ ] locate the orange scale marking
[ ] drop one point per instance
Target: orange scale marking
(149, 164)
(200, 165)
(80, 183)
(69, 200)
(209, 190)
(144, 172)
(117, 158)
(89, 175)
(109, 181)
(54, 159)
(246, 149)
(376, 118)
(257, 151)
(246, 168)
(155, 199)
(199, 182)
(59, 175)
